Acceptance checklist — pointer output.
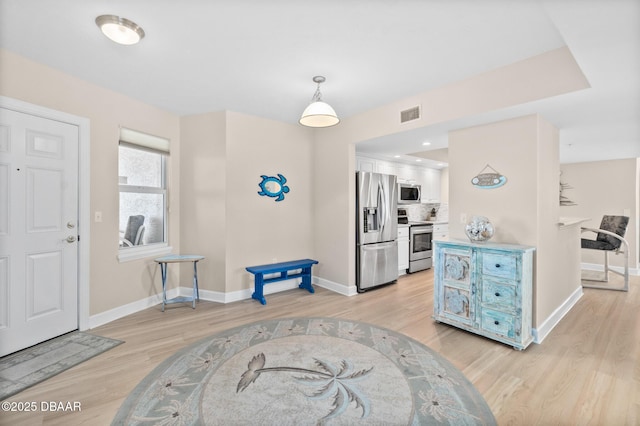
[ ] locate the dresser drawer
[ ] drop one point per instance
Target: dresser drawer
(499, 265)
(498, 294)
(497, 322)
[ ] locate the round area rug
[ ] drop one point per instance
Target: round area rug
(305, 371)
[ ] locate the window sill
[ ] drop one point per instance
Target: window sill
(137, 253)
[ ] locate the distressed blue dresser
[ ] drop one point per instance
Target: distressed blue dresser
(485, 288)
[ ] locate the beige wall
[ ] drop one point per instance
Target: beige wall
(112, 284)
(203, 191)
(495, 89)
(224, 218)
(557, 270)
(523, 211)
(334, 221)
(605, 188)
(321, 220)
(259, 229)
(483, 93)
(509, 147)
(444, 185)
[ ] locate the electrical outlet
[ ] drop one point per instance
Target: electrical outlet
(463, 218)
(97, 216)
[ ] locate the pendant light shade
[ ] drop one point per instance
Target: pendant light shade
(120, 30)
(319, 113)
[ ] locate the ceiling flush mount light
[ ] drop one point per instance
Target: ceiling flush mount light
(318, 113)
(120, 30)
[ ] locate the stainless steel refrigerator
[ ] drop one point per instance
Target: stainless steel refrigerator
(377, 230)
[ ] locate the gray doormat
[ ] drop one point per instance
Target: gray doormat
(33, 365)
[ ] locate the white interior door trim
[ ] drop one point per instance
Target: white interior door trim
(84, 184)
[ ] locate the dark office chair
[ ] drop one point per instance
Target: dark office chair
(610, 238)
(134, 232)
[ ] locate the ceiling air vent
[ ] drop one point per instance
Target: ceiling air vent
(410, 114)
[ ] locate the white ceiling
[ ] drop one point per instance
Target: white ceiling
(258, 57)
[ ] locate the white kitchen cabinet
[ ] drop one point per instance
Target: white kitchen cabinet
(440, 231)
(406, 173)
(387, 168)
(364, 164)
(430, 185)
(427, 178)
(403, 248)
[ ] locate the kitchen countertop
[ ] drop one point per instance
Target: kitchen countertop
(568, 221)
(428, 222)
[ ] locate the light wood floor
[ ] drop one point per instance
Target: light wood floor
(587, 371)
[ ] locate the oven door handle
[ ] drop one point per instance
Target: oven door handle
(415, 230)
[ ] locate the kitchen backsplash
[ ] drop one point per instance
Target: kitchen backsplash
(422, 212)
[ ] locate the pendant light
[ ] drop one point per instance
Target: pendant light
(120, 30)
(318, 113)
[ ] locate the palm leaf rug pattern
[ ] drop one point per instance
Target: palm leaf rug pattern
(299, 371)
(336, 382)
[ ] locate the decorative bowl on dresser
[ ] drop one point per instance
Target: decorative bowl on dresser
(485, 288)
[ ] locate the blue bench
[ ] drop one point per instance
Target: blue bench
(283, 268)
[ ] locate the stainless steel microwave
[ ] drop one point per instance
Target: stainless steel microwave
(409, 193)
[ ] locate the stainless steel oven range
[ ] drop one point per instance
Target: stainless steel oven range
(420, 247)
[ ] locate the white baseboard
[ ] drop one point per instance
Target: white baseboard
(335, 287)
(212, 296)
(234, 296)
(131, 308)
(216, 296)
(600, 268)
(549, 324)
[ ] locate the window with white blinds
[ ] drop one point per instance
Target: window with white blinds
(143, 189)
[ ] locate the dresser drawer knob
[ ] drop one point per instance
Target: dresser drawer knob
(496, 322)
(497, 294)
(497, 265)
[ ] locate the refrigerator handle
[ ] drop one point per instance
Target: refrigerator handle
(382, 207)
(379, 246)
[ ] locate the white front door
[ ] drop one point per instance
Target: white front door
(38, 229)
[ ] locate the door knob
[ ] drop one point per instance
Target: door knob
(71, 225)
(71, 238)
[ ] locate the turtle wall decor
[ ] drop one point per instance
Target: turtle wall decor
(274, 187)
